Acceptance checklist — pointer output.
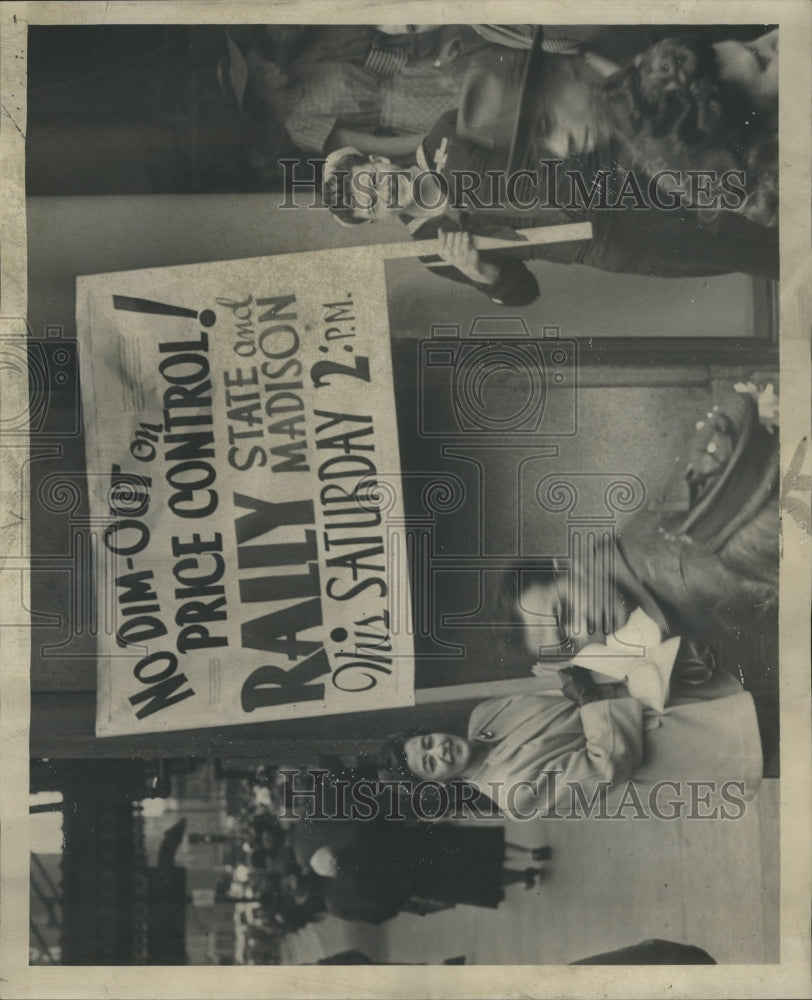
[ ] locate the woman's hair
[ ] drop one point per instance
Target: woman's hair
(672, 90)
(669, 111)
(434, 804)
(392, 756)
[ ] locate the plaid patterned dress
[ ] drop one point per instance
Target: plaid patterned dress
(364, 81)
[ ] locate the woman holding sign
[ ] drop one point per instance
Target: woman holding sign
(551, 753)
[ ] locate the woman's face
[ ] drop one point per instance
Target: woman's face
(541, 608)
(554, 624)
(751, 68)
(571, 123)
(437, 756)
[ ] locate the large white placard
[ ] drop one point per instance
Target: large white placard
(245, 503)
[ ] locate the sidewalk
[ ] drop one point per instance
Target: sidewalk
(610, 883)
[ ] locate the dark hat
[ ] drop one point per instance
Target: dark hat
(499, 104)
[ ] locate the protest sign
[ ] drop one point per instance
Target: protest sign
(236, 420)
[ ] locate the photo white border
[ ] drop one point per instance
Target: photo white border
(792, 977)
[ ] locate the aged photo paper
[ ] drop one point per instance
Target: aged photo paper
(405, 571)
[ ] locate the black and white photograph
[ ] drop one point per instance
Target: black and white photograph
(404, 450)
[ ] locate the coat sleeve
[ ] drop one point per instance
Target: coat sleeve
(613, 729)
(612, 752)
(515, 285)
(345, 898)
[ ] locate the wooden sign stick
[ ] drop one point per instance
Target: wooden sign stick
(567, 233)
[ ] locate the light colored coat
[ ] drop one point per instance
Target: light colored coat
(714, 738)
